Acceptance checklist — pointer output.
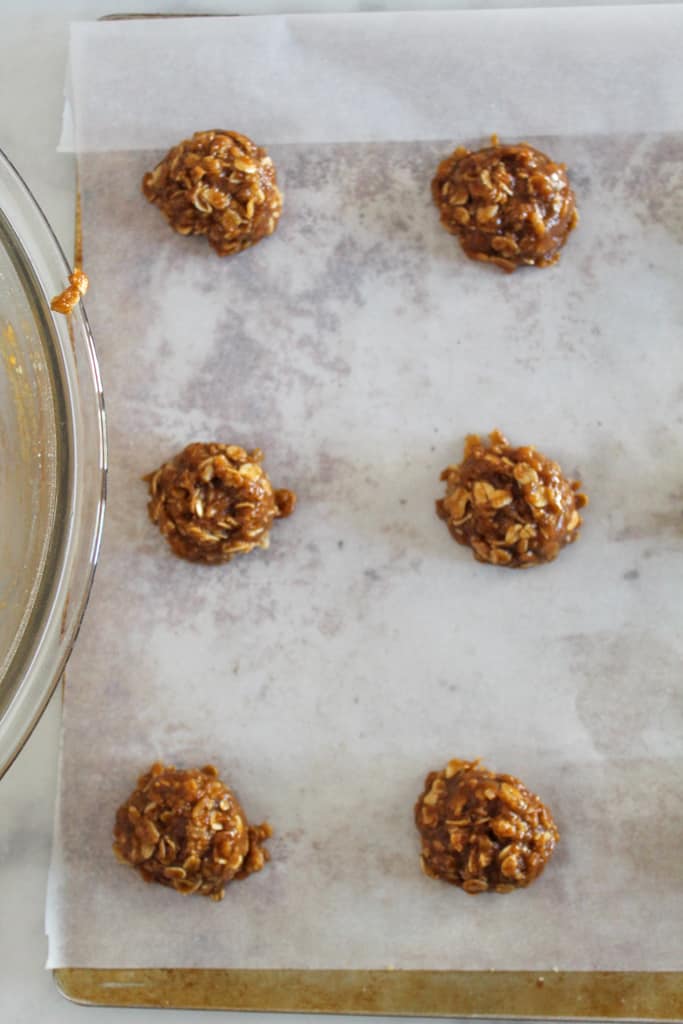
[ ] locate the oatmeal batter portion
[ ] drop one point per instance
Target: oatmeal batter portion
(213, 501)
(512, 506)
(187, 830)
(67, 300)
(482, 832)
(509, 205)
(219, 184)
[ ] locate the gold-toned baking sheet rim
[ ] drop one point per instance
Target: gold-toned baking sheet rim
(553, 995)
(604, 995)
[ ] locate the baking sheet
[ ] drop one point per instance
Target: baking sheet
(326, 676)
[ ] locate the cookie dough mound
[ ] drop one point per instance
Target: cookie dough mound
(219, 184)
(213, 501)
(187, 830)
(508, 205)
(482, 832)
(511, 506)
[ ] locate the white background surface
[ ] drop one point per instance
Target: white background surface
(33, 42)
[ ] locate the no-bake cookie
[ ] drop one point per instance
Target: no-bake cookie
(187, 830)
(213, 501)
(508, 205)
(511, 506)
(219, 184)
(482, 832)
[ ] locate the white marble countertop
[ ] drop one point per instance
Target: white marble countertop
(33, 47)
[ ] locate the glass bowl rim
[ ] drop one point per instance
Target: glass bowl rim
(38, 665)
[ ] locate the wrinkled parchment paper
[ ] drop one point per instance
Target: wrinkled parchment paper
(357, 347)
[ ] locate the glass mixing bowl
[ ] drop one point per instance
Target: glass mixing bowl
(52, 465)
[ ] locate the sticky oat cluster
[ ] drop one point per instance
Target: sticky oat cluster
(508, 205)
(219, 184)
(481, 831)
(214, 501)
(511, 506)
(187, 830)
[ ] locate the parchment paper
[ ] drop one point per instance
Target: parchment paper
(326, 676)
